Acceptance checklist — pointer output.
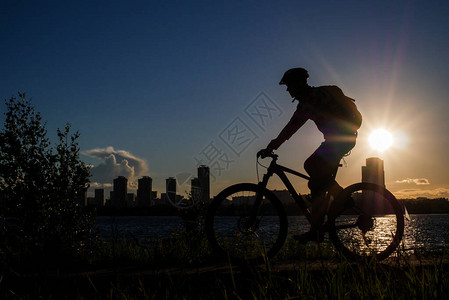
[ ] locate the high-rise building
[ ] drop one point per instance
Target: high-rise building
(204, 182)
(373, 201)
(120, 192)
(170, 184)
(144, 192)
(374, 171)
(99, 197)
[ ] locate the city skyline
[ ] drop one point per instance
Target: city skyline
(145, 196)
(372, 172)
(157, 89)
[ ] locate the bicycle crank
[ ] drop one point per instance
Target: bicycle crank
(365, 223)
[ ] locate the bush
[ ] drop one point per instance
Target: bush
(40, 188)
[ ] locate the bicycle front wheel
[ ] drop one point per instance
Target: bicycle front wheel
(241, 228)
(366, 220)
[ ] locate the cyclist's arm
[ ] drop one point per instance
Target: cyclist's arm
(298, 119)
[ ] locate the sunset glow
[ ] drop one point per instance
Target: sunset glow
(380, 140)
(156, 89)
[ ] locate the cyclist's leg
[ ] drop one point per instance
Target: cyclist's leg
(322, 166)
(317, 167)
(338, 148)
(321, 174)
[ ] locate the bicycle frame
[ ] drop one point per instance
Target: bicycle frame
(281, 171)
(355, 236)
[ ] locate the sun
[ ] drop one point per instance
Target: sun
(380, 140)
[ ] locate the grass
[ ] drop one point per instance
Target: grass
(179, 268)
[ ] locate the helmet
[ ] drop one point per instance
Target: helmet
(295, 74)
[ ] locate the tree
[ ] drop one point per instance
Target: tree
(40, 185)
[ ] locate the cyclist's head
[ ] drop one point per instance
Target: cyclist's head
(295, 75)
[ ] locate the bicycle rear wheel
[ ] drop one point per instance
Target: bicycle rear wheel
(238, 229)
(366, 220)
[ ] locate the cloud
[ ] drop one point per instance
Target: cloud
(115, 163)
(97, 185)
(415, 193)
(417, 181)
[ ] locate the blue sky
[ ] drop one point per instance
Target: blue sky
(152, 86)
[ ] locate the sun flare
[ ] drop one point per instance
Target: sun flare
(380, 140)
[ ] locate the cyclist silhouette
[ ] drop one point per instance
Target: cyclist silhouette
(322, 105)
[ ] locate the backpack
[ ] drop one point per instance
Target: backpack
(345, 108)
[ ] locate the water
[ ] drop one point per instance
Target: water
(427, 231)
(142, 227)
(422, 231)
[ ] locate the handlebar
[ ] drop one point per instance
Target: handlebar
(265, 153)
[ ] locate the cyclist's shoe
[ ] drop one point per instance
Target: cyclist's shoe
(310, 236)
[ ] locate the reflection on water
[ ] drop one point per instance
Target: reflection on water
(426, 231)
(371, 235)
(422, 231)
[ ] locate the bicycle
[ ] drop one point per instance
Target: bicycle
(246, 221)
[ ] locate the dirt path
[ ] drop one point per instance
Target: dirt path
(211, 269)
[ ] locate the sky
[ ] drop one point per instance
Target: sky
(156, 88)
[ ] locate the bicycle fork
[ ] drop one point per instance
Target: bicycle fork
(252, 222)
